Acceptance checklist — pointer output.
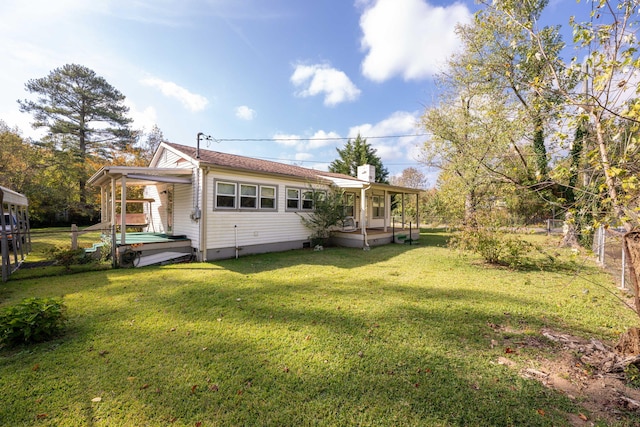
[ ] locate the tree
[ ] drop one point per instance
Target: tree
(328, 211)
(356, 153)
(410, 177)
(149, 147)
(83, 113)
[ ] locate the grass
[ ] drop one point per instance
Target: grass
(44, 242)
(399, 335)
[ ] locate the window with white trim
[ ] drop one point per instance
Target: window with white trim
(248, 196)
(349, 204)
(307, 201)
(245, 196)
(225, 195)
(378, 206)
(293, 198)
(267, 197)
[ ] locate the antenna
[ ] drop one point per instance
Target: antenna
(201, 136)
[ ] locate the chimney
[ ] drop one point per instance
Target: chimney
(367, 173)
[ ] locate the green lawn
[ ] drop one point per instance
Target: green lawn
(396, 336)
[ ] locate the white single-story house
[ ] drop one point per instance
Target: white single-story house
(215, 205)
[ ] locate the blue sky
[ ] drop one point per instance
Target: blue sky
(250, 69)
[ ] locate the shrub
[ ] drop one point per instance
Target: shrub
(70, 257)
(493, 246)
(31, 320)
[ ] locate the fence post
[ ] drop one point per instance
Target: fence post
(74, 237)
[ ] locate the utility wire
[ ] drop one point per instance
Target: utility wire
(328, 138)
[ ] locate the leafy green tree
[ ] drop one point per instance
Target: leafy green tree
(84, 115)
(328, 212)
(356, 153)
(17, 158)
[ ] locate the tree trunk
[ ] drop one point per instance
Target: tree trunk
(569, 232)
(470, 219)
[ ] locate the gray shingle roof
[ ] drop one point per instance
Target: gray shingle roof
(215, 158)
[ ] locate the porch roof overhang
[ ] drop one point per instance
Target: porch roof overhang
(140, 175)
(359, 185)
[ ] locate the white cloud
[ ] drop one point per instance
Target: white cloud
(393, 149)
(191, 101)
(319, 139)
(142, 119)
(245, 113)
(410, 38)
(319, 79)
(287, 140)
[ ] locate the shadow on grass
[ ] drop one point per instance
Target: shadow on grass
(240, 349)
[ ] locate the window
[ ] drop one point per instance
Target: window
(378, 206)
(349, 204)
(267, 197)
(293, 198)
(307, 200)
(225, 195)
(248, 196)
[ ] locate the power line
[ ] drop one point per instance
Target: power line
(328, 138)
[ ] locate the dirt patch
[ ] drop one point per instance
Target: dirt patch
(588, 372)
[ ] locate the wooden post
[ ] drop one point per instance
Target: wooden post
(74, 237)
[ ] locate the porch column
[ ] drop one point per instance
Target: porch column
(123, 209)
(403, 219)
(363, 211)
(103, 203)
(418, 211)
(112, 200)
(387, 209)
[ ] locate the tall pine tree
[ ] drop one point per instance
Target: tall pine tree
(84, 113)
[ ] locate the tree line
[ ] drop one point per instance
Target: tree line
(87, 127)
(519, 127)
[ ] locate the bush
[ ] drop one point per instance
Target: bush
(32, 320)
(493, 246)
(70, 257)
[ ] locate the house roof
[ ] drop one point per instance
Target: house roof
(236, 162)
(233, 161)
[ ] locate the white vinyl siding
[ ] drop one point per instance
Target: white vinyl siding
(183, 206)
(265, 225)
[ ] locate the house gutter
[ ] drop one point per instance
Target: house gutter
(363, 216)
(203, 219)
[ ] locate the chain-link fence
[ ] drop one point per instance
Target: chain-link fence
(609, 250)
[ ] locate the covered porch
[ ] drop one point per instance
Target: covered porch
(135, 242)
(376, 214)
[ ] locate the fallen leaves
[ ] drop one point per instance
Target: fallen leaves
(96, 399)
